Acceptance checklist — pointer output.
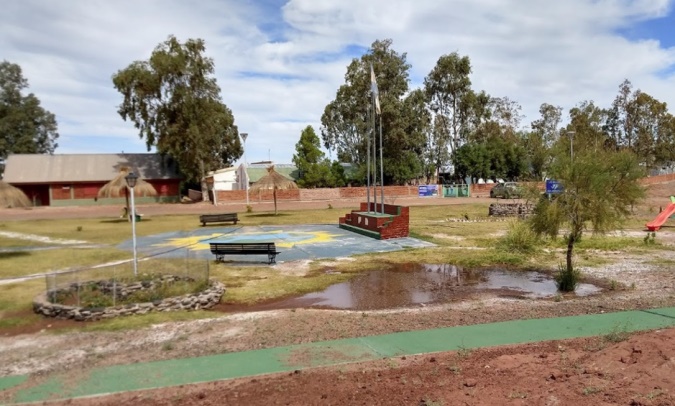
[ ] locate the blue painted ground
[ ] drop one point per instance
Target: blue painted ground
(293, 241)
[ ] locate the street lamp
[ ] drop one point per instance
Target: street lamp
(131, 179)
(243, 137)
(571, 135)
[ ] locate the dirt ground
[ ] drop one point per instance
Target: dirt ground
(598, 371)
(636, 369)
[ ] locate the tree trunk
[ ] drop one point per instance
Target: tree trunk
(570, 248)
(274, 194)
(205, 188)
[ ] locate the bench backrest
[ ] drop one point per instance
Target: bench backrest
(224, 216)
(227, 247)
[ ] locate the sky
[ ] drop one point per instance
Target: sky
(279, 63)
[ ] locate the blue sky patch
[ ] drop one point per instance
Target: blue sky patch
(661, 29)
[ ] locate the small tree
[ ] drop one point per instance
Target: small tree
(315, 170)
(600, 189)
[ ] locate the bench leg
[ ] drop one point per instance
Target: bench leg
(272, 258)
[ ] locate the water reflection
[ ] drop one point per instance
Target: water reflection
(414, 284)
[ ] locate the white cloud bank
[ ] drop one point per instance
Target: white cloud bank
(280, 64)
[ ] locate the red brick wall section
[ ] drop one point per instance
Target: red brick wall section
(87, 190)
(352, 192)
(319, 194)
(166, 187)
(268, 195)
(232, 196)
(60, 192)
(396, 226)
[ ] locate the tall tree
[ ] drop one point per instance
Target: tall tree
(25, 127)
(448, 88)
(347, 121)
(548, 123)
(600, 187)
(539, 141)
(315, 169)
(174, 101)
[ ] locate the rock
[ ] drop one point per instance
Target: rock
(470, 383)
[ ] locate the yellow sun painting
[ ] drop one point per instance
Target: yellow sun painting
(282, 238)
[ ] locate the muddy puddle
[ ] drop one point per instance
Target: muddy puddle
(421, 284)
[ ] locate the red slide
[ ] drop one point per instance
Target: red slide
(655, 224)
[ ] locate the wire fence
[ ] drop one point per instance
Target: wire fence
(116, 284)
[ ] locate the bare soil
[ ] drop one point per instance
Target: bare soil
(628, 370)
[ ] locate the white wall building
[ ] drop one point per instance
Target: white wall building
(224, 179)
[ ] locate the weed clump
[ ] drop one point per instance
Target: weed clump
(519, 238)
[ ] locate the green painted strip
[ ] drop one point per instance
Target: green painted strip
(361, 231)
(11, 381)
(280, 359)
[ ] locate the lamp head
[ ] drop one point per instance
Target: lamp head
(131, 179)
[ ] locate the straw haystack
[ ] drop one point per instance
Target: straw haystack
(273, 181)
(11, 196)
(118, 186)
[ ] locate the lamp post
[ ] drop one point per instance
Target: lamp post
(434, 107)
(131, 179)
(243, 137)
(571, 135)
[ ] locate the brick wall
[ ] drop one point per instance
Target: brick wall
(60, 192)
(268, 195)
(352, 192)
(319, 194)
(396, 225)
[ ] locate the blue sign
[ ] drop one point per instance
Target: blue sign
(427, 190)
(553, 187)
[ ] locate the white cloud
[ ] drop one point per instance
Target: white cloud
(529, 50)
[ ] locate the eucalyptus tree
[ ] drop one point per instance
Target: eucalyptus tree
(174, 102)
(25, 126)
(448, 90)
(347, 121)
(642, 123)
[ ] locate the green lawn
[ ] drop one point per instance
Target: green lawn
(473, 241)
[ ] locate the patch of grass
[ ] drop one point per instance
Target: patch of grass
(463, 352)
(519, 238)
(11, 322)
(19, 296)
(277, 286)
(517, 395)
(618, 334)
(33, 262)
(589, 390)
(567, 279)
(145, 320)
(6, 242)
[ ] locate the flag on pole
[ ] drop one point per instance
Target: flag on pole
(373, 88)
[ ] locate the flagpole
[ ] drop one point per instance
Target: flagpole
(368, 170)
(374, 164)
(381, 168)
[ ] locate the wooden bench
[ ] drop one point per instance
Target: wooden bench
(220, 249)
(218, 218)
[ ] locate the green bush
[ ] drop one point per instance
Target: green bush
(567, 279)
(519, 238)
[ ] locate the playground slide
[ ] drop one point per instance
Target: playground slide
(655, 224)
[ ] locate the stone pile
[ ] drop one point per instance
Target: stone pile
(193, 301)
(510, 210)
